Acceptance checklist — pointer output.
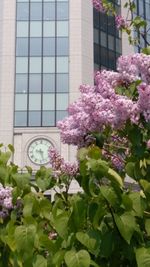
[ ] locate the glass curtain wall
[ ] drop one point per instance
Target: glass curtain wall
(143, 10)
(107, 41)
(42, 71)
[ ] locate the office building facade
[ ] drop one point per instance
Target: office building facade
(48, 48)
(46, 52)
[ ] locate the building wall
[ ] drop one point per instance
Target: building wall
(7, 69)
(80, 71)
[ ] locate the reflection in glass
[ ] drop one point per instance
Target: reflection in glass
(48, 102)
(49, 29)
(62, 46)
(60, 115)
(62, 11)
(34, 118)
(62, 65)
(22, 29)
(21, 102)
(21, 65)
(49, 11)
(35, 29)
(21, 83)
(35, 11)
(35, 46)
(21, 118)
(48, 118)
(34, 101)
(48, 46)
(22, 11)
(35, 65)
(22, 47)
(62, 28)
(35, 83)
(62, 83)
(62, 101)
(48, 82)
(48, 65)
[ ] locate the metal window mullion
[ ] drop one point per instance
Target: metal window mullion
(42, 55)
(28, 64)
(55, 63)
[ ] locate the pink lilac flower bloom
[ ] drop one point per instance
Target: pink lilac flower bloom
(98, 5)
(100, 106)
(121, 23)
(5, 201)
(60, 165)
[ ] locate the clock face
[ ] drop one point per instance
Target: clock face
(38, 151)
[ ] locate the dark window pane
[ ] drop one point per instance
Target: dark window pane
(103, 21)
(35, 83)
(111, 25)
(48, 83)
(96, 53)
(35, 46)
(118, 45)
(111, 42)
(62, 46)
(21, 83)
(49, 11)
(60, 115)
(112, 60)
(36, 11)
(103, 39)
(21, 118)
(62, 83)
(22, 11)
(104, 56)
(22, 47)
(96, 19)
(62, 11)
(34, 118)
(96, 36)
(48, 118)
(48, 46)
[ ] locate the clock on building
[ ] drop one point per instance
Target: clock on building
(38, 151)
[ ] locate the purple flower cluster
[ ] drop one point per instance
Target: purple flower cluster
(60, 165)
(121, 23)
(98, 4)
(100, 106)
(5, 201)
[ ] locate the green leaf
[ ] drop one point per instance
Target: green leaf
(24, 237)
(107, 243)
(136, 203)
(147, 226)
(126, 225)
(4, 157)
(94, 152)
(11, 148)
(110, 195)
(22, 180)
(45, 208)
(98, 167)
(58, 258)
(143, 257)
(129, 168)
(146, 50)
(82, 153)
(77, 259)
(39, 261)
(115, 178)
(90, 240)
(78, 215)
(61, 224)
